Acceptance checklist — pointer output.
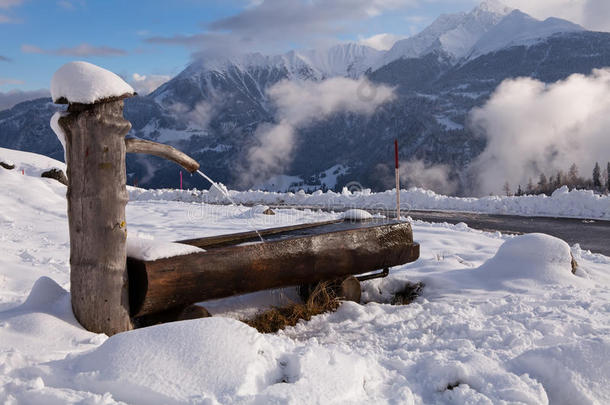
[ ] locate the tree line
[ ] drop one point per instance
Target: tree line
(599, 181)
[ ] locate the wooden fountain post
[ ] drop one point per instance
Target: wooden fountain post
(97, 195)
(93, 133)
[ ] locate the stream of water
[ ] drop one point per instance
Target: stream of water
(226, 194)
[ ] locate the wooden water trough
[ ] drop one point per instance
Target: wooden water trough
(109, 296)
(290, 256)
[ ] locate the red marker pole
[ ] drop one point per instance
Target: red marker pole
(397, 180)
(180, 179)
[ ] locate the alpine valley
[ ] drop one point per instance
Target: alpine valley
(212, 109)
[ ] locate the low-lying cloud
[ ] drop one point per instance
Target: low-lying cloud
(532, 128)
(435, 177)
(146, 84)
(299, 104)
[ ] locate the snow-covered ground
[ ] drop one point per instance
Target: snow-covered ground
(562, 203)
(502, 319)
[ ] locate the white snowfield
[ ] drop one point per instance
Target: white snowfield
(83, 82)
(502, 319)
(562, 203)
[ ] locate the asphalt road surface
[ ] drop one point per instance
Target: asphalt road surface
(593, 235)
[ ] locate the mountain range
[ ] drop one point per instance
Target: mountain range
(212, 109)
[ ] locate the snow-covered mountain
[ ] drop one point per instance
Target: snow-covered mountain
(489, 27)
(452, 34)
(213, 107)
(518, 28)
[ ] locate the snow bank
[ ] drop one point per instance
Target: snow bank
(566, 377)
(212, 359)
(536, 257)
(33, 164)
(562, 203)
(83, 82)
(149, 249)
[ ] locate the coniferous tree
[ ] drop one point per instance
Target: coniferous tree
(572, 176)
(543, 183)
(597, 177)
(608, 179)
(506, 189)
(530, 186)
(519, 191)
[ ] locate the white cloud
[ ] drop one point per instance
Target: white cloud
(381, 42)
(82, 50)
(532, 127)
(300, 22)
(416, 173)
(10, 98)
(299, 104)
(145, 84)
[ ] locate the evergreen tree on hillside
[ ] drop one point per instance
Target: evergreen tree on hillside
(608, 177)
(597, 177)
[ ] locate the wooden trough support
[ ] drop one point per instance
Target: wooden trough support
(288, 259)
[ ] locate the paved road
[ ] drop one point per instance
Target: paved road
(590, 234)
(593, 235)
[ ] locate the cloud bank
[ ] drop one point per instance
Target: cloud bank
(13, 97)
(532, 127)
(300, 22)
(299, 104)
(435, 177)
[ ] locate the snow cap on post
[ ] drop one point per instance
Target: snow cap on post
(85, 83)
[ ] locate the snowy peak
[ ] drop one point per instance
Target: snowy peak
(518, 28)
(341, 60)
(453, 34)
(348, 59)
(489, 27)
(493, 7)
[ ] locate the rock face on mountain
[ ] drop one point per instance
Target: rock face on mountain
(212, 109)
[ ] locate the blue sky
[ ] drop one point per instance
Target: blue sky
(157, 38)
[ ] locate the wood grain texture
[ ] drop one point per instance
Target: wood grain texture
(176, 282)
(164, 151)
(95, 152)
